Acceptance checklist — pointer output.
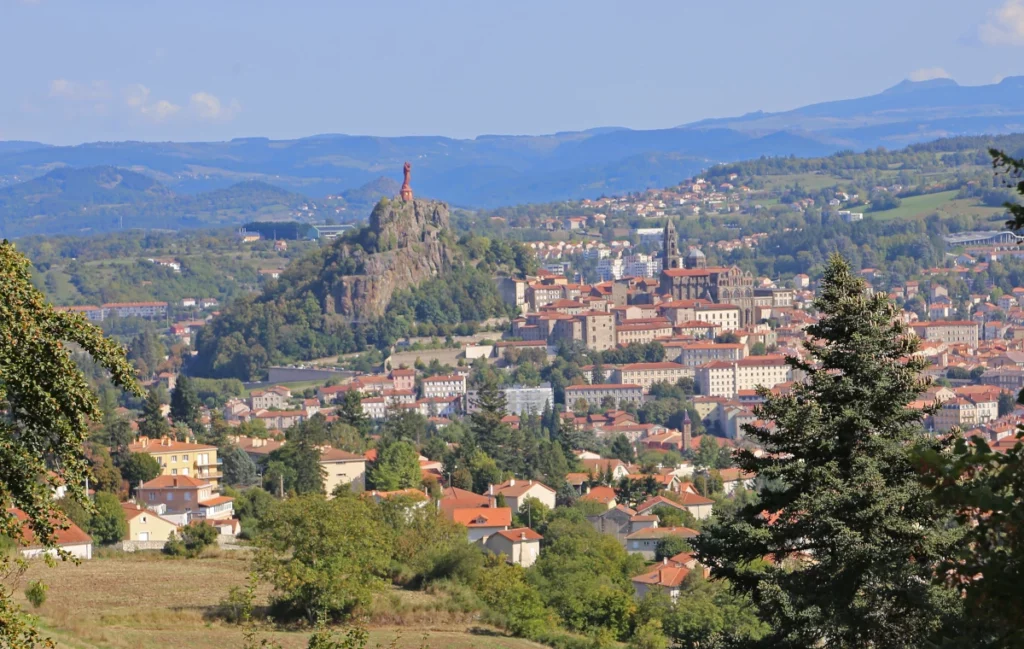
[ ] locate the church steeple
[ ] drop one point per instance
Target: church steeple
(670, 252)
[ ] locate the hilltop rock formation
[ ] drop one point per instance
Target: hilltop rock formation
(405, 244)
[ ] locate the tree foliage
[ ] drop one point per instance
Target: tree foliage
(323, 557)
(46, 404)
(853, 536)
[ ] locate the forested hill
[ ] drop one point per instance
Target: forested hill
(99, 199)
(402, 274)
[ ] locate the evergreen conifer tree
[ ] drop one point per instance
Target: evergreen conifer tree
(185, 403)
(852, 538)
(153, 425)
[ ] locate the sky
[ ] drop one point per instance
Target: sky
(198, 70)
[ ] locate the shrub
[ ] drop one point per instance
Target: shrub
(36, 593)
(174, 546)
(196, 537)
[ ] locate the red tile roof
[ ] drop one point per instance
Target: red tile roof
(175, 482)
(73, 535)
(600, 494)
(482, 516)
(520, 534)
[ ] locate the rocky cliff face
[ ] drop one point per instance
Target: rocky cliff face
(406, 244)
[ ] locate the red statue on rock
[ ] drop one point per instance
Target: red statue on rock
(406, 192)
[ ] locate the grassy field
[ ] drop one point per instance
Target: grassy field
(147, 601)
(809, 181)
(916, 206)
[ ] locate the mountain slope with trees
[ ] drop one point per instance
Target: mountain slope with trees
(404, 270)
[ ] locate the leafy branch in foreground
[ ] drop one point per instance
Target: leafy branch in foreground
(46, 404)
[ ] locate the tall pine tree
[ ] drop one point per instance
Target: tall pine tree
(185, 403)
(153, 424)
(851, 536)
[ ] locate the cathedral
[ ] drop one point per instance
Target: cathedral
(689, 278)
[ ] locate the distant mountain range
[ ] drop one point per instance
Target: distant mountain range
(494, 170)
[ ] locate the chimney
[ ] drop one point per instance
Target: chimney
(490, 490)
(664, 561)
(522, 536)
(175, 482)
(512, 482)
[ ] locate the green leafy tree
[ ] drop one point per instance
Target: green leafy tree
(297, 465)
(842, 450)
(986, 489)
(709, 614)
(649, 635)
(153, 424)
(140, 468)
(197, 536)
(105, 476)
(397, 467)
(504, 589)
(46, 403)
(323, 557)
(674, 517)
(185, 403)
(584, 576)
(108, 524)
(670, 546)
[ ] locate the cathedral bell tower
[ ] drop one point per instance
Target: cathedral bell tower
(670, 252)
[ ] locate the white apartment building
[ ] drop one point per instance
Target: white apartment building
(647, 374)
(642, 265)
(611, 269)
(727, 378)
(725, 316)
(696, 354)
(439, 387)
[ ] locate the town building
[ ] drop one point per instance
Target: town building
(438, 387)
(692, 279)
(948, 331)
(647, 374)
(182, 458)
(727, 378)
(595, 395)
(519, 546)
(145, 526)
(342, 468)
(185, 499)
(515, 492)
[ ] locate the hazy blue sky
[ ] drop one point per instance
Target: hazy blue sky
(84, 70)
